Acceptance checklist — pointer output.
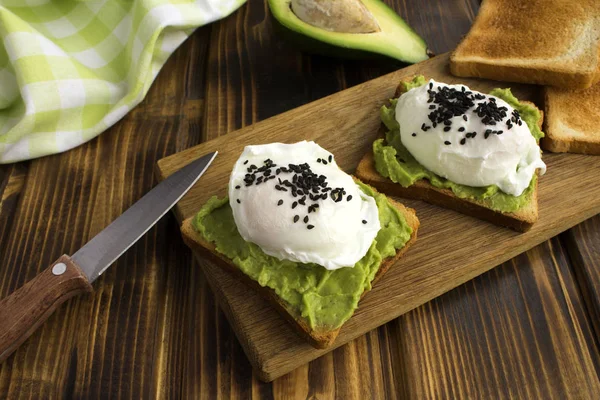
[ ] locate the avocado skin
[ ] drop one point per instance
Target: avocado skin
(314, 46)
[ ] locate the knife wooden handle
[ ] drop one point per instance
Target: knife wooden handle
(23, 311)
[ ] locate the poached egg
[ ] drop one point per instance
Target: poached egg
(468, 137)
(295, 203)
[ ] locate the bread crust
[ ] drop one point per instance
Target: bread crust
(540, 42)
(520, 74)
(575, 111)
(522, 220)
(319, 339)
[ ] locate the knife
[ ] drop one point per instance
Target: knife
(23, 311)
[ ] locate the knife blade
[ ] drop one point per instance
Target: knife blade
(100, 252)
(28, 307)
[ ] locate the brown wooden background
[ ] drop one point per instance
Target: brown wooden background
(528, 329)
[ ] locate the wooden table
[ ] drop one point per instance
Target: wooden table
(530, 328)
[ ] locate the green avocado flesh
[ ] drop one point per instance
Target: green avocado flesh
(394, 161)
(395, 38)
(326, 299)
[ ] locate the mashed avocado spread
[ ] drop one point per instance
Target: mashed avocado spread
(325, 298)
(394, 161)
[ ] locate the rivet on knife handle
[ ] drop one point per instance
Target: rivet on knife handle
(27, 308)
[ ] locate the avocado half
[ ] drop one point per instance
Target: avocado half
(394, 38)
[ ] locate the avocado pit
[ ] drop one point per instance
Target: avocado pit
(343, 16)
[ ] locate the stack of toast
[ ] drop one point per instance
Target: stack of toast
(555, 43)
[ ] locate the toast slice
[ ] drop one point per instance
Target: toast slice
(319, 338)
(547, 42)
(521, 220)
(571, 123)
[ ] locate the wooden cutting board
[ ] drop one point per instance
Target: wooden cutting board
(451, 248)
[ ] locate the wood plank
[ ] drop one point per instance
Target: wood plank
(426, 271)
(518, 331)
(583, 243)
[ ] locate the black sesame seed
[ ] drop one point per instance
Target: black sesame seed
(447, 122)
(245, 162)
(294, 204)
(364, 221)
(280, 202)
(305, 219)
(237, 187)
(447, 143)
(330, 158)
(498, 132)
(349, 198)
(324, 162)
(465, 117)
(461, 129)
(447, 128)
(296, 218)
(431, 107)
(414, 134)
(238, 201)
(430, 85)
(310, 226)
(463, 141)
(318, 160)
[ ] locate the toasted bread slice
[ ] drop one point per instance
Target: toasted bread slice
(547, 42)
(572, 120)
(319, 338)
(522, 220)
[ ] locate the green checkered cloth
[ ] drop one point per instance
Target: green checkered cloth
(70, 69)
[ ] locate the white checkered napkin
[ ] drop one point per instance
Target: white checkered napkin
(69, 69)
